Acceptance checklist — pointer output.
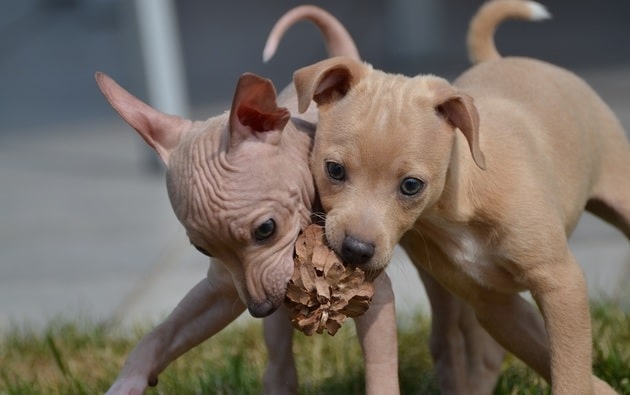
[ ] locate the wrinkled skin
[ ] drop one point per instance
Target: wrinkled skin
(225, 192)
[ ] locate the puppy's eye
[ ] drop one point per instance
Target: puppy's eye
(265, 230)
(335, 171)
(411, 186)
(206, 253)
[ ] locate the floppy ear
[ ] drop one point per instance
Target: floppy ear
(460, 111)
(161, 131)
(254, 109)
(327, 81)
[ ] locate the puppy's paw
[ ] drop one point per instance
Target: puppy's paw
(128, 386)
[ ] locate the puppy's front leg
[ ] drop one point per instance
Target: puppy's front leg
(378, 336)
(280, 376)
(565, 308)
(517, 325)
(207, 308)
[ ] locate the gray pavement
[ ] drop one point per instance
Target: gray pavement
(86, 229)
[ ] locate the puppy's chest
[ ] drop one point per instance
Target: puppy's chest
(464, 247)
(477, 254)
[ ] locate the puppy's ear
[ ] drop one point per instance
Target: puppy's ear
(459, 110)
(327, 81)
(161, 131)
(254, 109)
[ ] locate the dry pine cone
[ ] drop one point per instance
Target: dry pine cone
(323, 292)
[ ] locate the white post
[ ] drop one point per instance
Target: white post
(162, 56)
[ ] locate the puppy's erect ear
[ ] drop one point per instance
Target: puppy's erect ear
(161, 131)
(327, 81)
(460, 111)
(254, 109)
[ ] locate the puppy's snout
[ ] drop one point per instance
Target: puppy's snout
(356, 252)
(260, 310)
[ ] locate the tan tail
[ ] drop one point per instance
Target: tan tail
(481, 47)
(338, 40)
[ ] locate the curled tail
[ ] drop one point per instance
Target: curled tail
(338, 40)
(481, 47)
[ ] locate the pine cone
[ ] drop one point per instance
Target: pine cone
(323, 292)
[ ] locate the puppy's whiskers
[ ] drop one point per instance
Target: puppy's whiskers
(318, 217)
(426, 248)
(371, 274)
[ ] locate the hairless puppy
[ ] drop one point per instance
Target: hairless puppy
(241, 186)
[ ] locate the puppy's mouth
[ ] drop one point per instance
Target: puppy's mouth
(262, 309)
(266, 293)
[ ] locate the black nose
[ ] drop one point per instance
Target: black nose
(260, 310)
(356, 252)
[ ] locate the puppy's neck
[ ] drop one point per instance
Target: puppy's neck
(458, 199)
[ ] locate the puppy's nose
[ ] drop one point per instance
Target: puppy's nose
(260, 310)
(356, 252)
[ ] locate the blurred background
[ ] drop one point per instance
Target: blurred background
(86, 229)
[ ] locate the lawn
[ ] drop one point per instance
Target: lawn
(83, 358)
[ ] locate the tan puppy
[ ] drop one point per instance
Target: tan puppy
(466, 358)
(240, 185)
(482, 180)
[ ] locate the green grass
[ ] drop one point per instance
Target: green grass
(82, 358)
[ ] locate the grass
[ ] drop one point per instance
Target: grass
(82, 358)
